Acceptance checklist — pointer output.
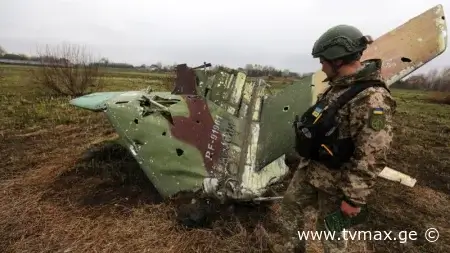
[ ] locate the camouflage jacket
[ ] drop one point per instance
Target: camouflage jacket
(356, 179)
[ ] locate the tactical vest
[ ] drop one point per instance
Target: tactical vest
(317, 130)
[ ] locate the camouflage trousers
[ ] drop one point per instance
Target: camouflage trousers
(303, 209)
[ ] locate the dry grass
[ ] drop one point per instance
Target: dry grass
(66, 188)
(2, 74)
(440, 98)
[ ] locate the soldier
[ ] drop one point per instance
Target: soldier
(338, 170)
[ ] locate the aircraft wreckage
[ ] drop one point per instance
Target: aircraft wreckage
(225, 135)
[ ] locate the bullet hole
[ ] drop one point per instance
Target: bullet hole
(164, 133)
(286, 108)
(406, 59)
(198, 121)
(138, 142)
(443, 17)
(206, 92)
(136, 121)
(179, 151)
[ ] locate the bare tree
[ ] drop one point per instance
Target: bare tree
(2, 51)
(67, 70)
(434, 80)
(443, 83)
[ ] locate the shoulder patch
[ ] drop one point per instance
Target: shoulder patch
(377, 119)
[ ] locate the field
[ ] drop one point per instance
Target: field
(65, 190)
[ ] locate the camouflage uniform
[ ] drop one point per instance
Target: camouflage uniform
(315, 190)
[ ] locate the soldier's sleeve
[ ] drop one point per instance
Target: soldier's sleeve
(321, 94)
(371, 130)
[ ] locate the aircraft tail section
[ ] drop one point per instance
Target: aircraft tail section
(235, 101)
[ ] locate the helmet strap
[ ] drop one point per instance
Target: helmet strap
(336, 67)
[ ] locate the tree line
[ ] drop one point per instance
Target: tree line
(47, 56)
(66, 55)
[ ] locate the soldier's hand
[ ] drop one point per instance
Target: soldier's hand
(349, 210)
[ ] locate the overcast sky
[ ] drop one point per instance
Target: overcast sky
(233, 32)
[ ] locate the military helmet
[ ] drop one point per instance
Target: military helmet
(340, 41)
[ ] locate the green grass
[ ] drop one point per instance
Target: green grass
(28, 105)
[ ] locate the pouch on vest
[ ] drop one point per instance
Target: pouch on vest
(317, 130)
(305, 130)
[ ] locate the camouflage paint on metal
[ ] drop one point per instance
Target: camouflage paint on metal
(276, 134)
(198, 130)
(230, 129)
(95, 101)
(146, 129)
(240, 101)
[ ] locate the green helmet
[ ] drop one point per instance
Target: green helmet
(340, 41)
